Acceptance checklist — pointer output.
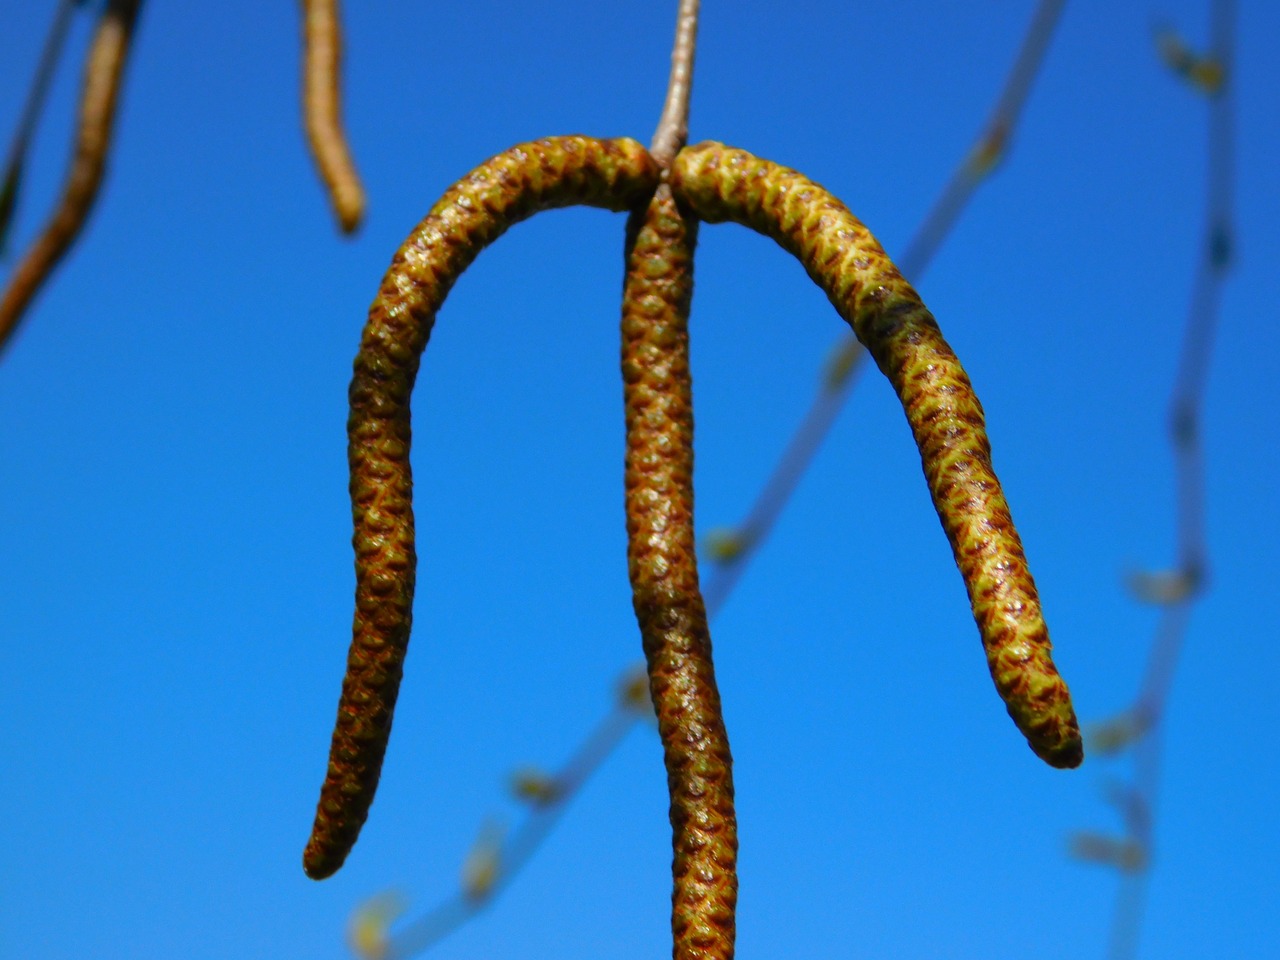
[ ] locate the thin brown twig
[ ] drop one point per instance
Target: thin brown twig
(31, 111)
(104, 72)
(673, 126)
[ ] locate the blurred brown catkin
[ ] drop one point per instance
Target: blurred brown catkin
(103, 75)
(322, 110)
(556, 172)
(720, 183)
(664, 577)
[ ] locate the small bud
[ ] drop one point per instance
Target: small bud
(1163, 587)
(726, 544)
(1129, 856)
(481, 868)
(369, 930)
(633, 692)
(989, 151)
(535, 787)
(1114, 735)
(1205, 73)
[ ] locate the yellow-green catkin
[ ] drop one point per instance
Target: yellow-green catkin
(664, 578)
(556, 172)
(720, 183)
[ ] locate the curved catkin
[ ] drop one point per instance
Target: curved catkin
(558, 172)
(720, 183)
(103, 76)
(664, 577)
(322, 110)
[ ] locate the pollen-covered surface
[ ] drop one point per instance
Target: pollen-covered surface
(720, 183)
(322, 110)
(103, 77)
(664, 577)
(558, 172)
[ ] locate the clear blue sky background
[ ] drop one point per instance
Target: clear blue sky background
(175, 569)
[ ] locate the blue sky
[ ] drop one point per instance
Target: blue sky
(175, 570)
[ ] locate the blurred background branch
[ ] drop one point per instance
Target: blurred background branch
(1138, 732)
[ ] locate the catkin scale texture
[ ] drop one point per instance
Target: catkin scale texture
(664, 577)
(724, 184)
(556, 172)
(103, 78)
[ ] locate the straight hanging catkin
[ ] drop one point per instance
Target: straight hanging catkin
(664, 577)
(720, 183)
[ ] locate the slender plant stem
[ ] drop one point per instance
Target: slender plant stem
(673, 125)
(31, 111)
(1185, 408)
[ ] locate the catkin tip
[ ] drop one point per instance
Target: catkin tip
(1066, 754)
(351, 216)
(319, 861)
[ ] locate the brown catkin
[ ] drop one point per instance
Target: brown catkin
(103, 76)
(557, 172)
(322, 110)
(720, 183)
(664, 577)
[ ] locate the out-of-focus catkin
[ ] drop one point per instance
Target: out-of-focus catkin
(322, 110)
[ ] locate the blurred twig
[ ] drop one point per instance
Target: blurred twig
(549, 796)
(31, 110)
(547, 803)
(103, 79)
(1139, 728)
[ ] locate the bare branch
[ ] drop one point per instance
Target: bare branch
(31, 113)
(673, 127)
(103, 75)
